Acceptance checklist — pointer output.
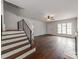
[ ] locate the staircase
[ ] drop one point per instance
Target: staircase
(15, 45)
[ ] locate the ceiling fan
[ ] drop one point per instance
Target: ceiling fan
(50, 18)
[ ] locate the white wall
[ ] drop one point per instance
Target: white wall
(39, 27)
(52, 27)
(13, 14)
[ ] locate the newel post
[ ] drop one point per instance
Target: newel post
(18, 26)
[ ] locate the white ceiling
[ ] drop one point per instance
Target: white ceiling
(61, 9)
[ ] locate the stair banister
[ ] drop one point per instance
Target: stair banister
(22, 25)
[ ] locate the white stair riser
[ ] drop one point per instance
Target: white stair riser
(10, 36)
(13, 45)
(15, 51)
(12, 40)
(11, 32)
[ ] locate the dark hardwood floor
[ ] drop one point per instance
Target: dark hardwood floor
(52, 47)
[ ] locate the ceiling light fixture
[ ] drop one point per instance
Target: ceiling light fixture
(50, 17)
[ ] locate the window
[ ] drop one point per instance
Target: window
(59, 28)
(69, 28)
(65, 28)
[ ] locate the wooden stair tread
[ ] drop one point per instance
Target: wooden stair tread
(12, 42)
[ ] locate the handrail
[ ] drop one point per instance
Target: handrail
(22, 25)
